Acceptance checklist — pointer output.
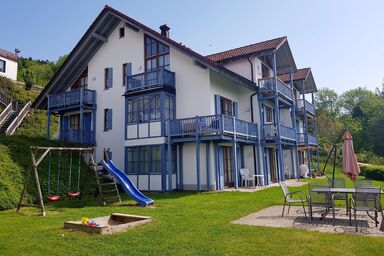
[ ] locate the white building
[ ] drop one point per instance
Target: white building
(8, 64)
(147, 98)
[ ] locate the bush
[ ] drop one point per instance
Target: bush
(375, 172)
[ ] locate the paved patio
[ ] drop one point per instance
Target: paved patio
(290, 183)
(271, 217)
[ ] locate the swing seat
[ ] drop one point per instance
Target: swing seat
(76, 194)
(53, 198)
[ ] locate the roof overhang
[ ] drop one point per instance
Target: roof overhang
(306, 85)
(96, 36)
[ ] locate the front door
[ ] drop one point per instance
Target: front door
(228, 166)
(272, 164)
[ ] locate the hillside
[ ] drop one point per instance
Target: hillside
(15, 151)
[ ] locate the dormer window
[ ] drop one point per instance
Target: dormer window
(121, 32)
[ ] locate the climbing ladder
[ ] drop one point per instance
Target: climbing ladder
(106, 184)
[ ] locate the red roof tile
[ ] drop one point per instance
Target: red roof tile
(300, 74)
(8, 55)
(247, 50)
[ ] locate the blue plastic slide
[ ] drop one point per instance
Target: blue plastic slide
(128, 186)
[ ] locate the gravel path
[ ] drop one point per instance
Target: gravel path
(271, 217)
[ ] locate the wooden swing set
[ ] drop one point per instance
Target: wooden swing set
(37, 158)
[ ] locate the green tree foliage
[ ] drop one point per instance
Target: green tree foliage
(39, 72)
(358, 110)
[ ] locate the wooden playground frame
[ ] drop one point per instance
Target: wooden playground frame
(36, 160)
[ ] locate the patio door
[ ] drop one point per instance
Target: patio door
(272, 164)
(228, 166)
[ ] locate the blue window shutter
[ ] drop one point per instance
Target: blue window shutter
(128, 72)
(235, 109)
(217, 105)
(110, 77)
(109, 118)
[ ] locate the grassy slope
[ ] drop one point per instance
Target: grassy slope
(183, 224)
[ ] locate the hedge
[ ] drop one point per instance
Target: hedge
(375, 172)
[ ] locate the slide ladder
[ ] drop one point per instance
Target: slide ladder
(127, 185)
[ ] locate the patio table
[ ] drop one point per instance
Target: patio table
(344, 191)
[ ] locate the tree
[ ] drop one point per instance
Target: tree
(327, 102)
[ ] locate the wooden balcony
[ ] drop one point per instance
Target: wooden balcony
(268, 88)
(312, 139)
(72, 135)
(270, 133)
(213, 125)
(303, 106)
(157, 78)
(72, 99)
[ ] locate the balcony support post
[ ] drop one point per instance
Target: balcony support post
(81, 115)
(208, 164)
(197, 143)
(169, 152)
(274, 73)
(317, 142)
(280, 147)
(306, 130)
(234, 148)
(48, 121)
(180, 169)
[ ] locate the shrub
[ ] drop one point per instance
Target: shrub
(375, 172)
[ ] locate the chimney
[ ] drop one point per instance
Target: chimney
(165, 30)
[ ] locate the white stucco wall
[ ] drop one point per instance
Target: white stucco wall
(192, 86)
(113, 54)
(10, 68)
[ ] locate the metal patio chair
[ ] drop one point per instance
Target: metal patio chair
(366, 183)
(340, 183)
(317, 199)
(366, 199)
(288, 198)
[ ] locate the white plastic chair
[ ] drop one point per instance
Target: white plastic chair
(246, 177)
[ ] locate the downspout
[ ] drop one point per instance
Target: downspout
(252, 119)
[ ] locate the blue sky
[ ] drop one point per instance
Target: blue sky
(343, 41)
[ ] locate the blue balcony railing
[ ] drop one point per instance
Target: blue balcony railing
(312, 139)
(270, 132)
(74, 136)
(153, 78)
(213, 125)
(266, 85)
(71, 98)
(304, 104)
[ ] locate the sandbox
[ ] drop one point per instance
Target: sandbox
(114, 223)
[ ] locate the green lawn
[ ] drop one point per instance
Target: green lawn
(183, 224)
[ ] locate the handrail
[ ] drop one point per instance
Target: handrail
(5, 113)
(301, 103)
(5, 99)
(17, 121)
(151, 78)
(280, 87)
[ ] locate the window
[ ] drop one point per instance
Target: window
(147, 159)
(108, 78)
(147, 108)
(127, 71)
(74, 122)
(226, 106)
(2, 66)
(107, 119)
(121, 32)
(156, 54)
(268, 114)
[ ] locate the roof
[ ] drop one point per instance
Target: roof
(8, 55)
(88, 45)
(251, 49)
(300, 74)
(305, 75)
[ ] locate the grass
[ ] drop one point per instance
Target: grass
(183, 224)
